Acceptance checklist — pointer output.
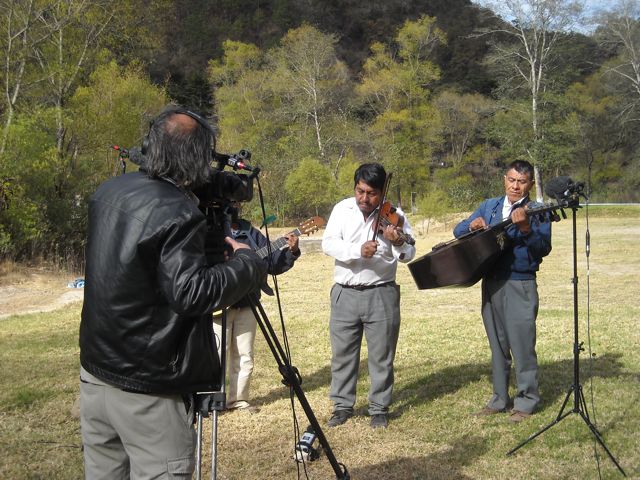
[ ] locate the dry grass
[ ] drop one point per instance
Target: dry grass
(33, 289)
(442, 375)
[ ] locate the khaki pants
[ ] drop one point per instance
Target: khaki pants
(240, 338)
(135, 436)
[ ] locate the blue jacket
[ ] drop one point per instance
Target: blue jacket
(278, 262)
(522, 258)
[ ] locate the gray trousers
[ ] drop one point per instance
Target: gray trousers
(509, 311)
(376, 313)
(135, 436)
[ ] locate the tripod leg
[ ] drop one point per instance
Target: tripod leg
(214, 443)
(199, 447)
(557, 420)
(585, 416)
(292, 379)
(207, 402)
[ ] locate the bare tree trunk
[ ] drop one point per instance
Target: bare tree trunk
(536, 140)
(12, 91)
(316, 121)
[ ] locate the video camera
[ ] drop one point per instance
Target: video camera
(217, 196)
(224, 186)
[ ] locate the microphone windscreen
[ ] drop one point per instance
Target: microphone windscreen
(556, 187)
(136, 156)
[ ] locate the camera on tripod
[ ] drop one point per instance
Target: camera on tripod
(217, 196)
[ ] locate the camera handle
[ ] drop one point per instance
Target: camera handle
(291, 378)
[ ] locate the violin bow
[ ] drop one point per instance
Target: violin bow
(387, 181)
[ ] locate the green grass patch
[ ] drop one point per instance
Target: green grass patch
(442, 376)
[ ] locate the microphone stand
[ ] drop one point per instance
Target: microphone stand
(579, 403)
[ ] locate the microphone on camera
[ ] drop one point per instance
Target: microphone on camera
(234, 161)
(134, 154)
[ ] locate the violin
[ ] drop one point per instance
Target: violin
(387, 215)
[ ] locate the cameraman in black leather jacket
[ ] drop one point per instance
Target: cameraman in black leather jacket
(146, 339)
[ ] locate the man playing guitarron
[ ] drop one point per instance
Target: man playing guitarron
(510, 294)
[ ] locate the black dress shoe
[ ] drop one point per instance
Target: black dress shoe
(339, 417)
(379, 420)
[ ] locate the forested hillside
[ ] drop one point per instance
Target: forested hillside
(444, 93)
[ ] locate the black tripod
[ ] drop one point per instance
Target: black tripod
(579, 403)
(215, 401)
(291, 378)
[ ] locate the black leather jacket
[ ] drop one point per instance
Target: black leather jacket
(149, 294)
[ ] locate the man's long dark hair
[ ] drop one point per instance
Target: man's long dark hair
(373, 174)
(181, 153)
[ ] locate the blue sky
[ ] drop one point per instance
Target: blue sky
(590, 8)
(591, 5)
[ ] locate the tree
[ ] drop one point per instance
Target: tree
(620, 32)
(312, 84)
(42, 217)
(606, 146)
(464, 118)
(21, 23)
(309, 187)
(288, 103)
(524, 47)
(395, 90)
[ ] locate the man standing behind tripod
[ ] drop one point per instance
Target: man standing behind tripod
(145, 336)
(240, 321)
(510, 293)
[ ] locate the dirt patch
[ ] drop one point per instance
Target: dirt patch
(34, 289)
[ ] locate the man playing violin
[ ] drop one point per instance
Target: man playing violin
(365, 297)
(510, 293)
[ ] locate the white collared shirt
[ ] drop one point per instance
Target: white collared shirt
(343, 237)
(507, 207)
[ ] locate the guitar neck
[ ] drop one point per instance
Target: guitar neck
(276, 244)
(505, 223)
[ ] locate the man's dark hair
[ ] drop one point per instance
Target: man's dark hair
(373, 174)
(180, 149)
(522, 167)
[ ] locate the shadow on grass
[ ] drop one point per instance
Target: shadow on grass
(445, 464)
(318, 379)
(555, 379)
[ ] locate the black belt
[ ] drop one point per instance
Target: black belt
(366, 287)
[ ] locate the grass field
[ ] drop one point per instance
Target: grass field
(442, 376)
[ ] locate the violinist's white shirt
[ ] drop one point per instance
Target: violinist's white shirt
(343, 237)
